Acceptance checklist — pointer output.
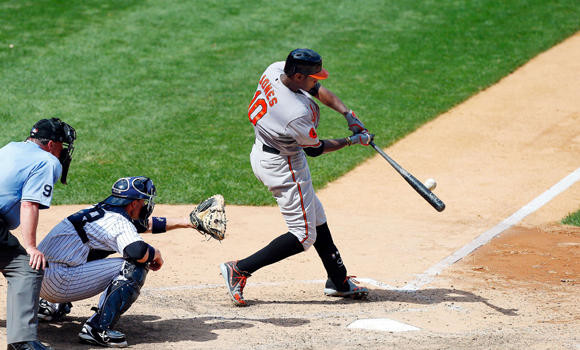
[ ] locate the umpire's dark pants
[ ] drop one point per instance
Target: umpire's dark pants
(24, 284)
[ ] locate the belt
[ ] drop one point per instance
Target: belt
(269, 149)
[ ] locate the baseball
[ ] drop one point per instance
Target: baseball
(11, 46)
(430, 184)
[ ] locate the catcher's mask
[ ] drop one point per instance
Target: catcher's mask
(307, 62)
(127, 189)
(58, 131)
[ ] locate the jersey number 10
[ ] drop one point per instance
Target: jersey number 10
(258, 107)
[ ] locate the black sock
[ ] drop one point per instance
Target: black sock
(330, 257)
(280, 248)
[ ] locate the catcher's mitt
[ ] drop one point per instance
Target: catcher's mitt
(209, 217)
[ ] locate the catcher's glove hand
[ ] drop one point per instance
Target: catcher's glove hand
(209, 217)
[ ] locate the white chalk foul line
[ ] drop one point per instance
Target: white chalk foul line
(429, 275)
(538, 202)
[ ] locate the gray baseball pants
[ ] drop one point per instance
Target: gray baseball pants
(24, 284)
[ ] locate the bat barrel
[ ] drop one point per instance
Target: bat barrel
(417, 185)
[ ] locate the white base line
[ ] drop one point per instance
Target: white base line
(429, 275)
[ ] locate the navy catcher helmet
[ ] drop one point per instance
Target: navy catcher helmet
(127, 189)
(307, 62)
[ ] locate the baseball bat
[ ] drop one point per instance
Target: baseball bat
(417, 185)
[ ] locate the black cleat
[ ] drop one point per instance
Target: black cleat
(54, 312)
(353, 290)
(28, 345)
(104, 337)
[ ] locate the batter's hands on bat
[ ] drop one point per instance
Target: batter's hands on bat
(363, 138)
(354, 124)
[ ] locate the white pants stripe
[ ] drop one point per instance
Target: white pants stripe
(289, 180)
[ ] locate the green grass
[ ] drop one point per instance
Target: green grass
(161, 88)
(572, 219)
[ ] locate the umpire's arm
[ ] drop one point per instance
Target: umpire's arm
(29, 223)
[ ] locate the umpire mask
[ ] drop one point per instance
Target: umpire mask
(58, 131)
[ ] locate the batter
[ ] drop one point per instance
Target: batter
(285, 118)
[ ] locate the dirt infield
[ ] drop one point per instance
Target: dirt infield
(491, 156)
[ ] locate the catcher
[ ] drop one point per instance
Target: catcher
(77, 250)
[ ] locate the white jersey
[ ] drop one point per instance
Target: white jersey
(70, 275)
(283, 119)
(112, 232)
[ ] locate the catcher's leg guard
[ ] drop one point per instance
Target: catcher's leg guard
(330, 257)
(120, 295)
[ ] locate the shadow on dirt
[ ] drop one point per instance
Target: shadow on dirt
(150, 329)
(425, 297)
(436, 296)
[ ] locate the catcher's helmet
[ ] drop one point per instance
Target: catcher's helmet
(305, 61)
(127, 189)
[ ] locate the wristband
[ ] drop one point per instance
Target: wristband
(158, 225)
(348, 141)
(151, 256)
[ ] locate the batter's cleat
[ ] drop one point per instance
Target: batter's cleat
(235, 281)
(92, 334)
(353, 290)
(52, 312)
(28, 345)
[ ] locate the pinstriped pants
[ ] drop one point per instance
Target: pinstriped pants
(63, 283)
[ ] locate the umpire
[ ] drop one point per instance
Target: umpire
(29, 171)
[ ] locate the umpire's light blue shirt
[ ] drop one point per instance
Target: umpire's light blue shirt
(27, 173)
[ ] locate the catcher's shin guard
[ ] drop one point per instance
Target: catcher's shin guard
(120, 295)
(330, 257)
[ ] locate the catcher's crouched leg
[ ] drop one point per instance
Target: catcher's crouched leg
(117, 299)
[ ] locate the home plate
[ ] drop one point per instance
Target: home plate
(382, 324)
